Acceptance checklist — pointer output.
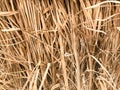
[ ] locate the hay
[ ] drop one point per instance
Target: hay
(59, 45)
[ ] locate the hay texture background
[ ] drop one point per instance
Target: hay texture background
(59, 45)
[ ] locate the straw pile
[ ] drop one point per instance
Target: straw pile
(59, 45)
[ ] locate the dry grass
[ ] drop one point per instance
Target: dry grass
(59, 45)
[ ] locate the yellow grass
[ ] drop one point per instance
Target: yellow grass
(59, 45)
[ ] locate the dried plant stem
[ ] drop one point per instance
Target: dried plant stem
(63, 62)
